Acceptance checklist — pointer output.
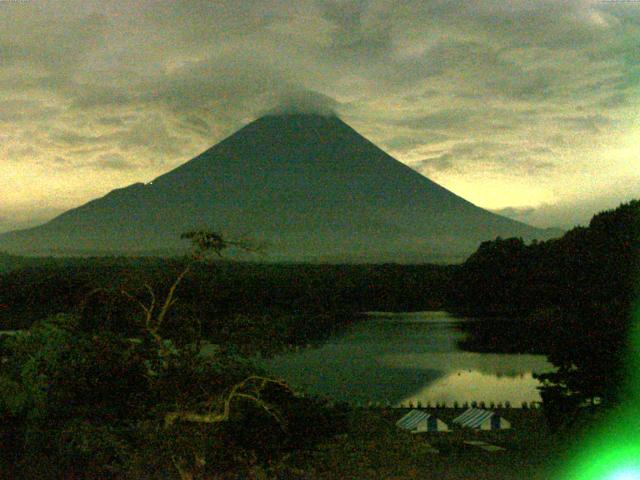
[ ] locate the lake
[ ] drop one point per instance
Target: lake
(408, 357)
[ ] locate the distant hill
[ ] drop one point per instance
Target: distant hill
(309, 186)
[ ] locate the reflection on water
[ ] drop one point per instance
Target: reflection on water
(467, 386)
(497, 364)
(408, 357)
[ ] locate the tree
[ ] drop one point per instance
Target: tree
(77, 398)
(590, 344)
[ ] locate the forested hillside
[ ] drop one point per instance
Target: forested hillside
(573, 295)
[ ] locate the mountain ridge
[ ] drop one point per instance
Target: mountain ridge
(308, 185)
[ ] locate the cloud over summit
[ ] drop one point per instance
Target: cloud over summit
(304, 102)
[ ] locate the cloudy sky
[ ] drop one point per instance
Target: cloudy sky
(527, 107)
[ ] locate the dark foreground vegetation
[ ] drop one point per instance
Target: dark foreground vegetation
(78, 402)
(253, 306)
(108, 380)
(573, 298)
(102, 393)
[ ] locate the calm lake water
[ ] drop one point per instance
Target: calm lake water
(401, 358)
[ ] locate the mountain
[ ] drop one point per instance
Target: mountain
(309, 186)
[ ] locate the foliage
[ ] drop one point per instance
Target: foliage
(98, 403)
(63, 388)
(576, 292)
(10, 262)
(81, 396)
(215, 292)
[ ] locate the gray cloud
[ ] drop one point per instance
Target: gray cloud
(443, 120)
(72, 139)
(113, 161)
(613, 101)
(197, 125)
(489, 156)
(590, 123)
(438, 163)
(22, 153)
(405, 142)
(518, 213)
(568, 213)
(149, 133)
(361, 28)
(114, 121)
(61, 162)
(137, 87)
(304, 102)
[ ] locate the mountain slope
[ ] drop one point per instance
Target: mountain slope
(308, 185)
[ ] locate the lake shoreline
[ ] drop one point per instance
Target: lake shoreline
(394, 358)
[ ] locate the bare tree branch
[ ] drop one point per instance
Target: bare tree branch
(169, 300)
(239, 390)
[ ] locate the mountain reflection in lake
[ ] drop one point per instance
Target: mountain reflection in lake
(408, 357)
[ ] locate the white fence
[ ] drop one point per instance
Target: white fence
(427, 404)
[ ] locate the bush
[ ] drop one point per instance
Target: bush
(92, 403)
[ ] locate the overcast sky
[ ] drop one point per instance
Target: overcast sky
(523, 106)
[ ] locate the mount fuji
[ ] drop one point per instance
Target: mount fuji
(307, 185)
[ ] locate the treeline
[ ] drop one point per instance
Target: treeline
(588, 265)
(230, 301)
(573, 295)
(10, 262)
